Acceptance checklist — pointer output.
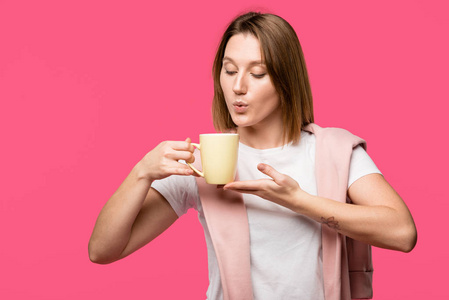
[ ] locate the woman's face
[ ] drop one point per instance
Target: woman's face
(250, 95)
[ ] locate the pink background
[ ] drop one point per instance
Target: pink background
(88, 87)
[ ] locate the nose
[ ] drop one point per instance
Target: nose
(240, 86)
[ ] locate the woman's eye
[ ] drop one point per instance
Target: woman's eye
(230, 72)
(259, 75)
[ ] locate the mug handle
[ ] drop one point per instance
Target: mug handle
(192, 167)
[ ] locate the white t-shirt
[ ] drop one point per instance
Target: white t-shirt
(286, 260)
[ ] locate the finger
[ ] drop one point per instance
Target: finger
(181, 155)
(182, 145)
(189, 141)
(270, 171)
(257, 193)
(178, 168)
(247, 185)
(191, 159)
(237, 188)
(181, 171)
(188, 169)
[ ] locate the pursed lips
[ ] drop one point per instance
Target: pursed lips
(240, 106)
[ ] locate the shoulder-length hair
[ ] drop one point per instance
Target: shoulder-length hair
(284, 59)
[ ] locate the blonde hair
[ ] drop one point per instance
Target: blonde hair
(284, 59)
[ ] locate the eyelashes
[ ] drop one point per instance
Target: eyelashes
(259, 75)
(252, 74)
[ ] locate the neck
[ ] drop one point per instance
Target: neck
(258, 138)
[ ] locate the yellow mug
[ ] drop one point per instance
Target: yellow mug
(219, 152)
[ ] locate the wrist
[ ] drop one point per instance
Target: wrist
(302, 198)
(141, 174)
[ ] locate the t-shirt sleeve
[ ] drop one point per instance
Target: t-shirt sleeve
(180, 191)
(361, 165)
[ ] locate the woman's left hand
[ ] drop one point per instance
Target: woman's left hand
(281, 189)
(378, 216)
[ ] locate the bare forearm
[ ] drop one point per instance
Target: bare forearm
(135, 214)
(379, 217)
(114, 224)
(380, 226)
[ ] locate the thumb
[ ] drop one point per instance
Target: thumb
(191, 148)
(270, 171)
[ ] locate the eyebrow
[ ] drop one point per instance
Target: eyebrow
(251, 63)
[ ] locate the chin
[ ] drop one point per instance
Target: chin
(241, 122)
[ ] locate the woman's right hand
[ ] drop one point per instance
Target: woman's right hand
(136, 214)
(162, 161)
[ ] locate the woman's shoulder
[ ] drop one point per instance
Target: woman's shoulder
(180, 191)
(307, 138)
(334, 136)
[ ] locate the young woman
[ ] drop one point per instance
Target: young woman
(262, 92)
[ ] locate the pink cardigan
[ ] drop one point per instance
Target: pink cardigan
(347, 266)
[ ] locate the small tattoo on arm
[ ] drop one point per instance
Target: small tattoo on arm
(331, 222)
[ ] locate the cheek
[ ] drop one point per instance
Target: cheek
(270, 89)
(225, 87)
(221, 81)
(268, 93)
